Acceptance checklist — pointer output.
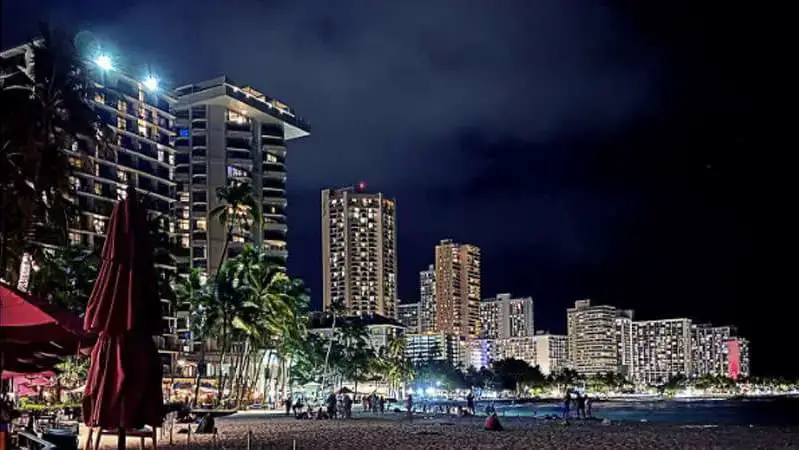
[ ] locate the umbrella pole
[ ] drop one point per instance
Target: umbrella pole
(121, 439)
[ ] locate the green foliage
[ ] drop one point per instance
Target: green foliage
(44, 112)
(65, 276)
(514, 374)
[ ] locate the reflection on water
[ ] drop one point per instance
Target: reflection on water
(782, 411)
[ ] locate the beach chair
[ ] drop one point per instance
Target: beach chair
(143, 434)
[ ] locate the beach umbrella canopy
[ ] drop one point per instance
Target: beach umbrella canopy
(34, 334)
(123, 388)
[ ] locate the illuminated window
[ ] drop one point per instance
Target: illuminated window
(74, 182)
(184, 225)
(74, 238)
(184, 196)
(99, 97)
(75, 162)
(171, 158)
(121, 123)
(98, 188)
(142, 127)
(240, 118)
(161, 155)
(122, 176)
(184, 241)
(271, 158)
(99, 225)
(141, 95)
(201, 224)
(122, 105)
(122, 192)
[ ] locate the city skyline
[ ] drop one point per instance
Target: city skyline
(613, 171)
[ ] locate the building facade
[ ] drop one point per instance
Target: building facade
(227, 133)
(623, 333)
(359, 254)
(709, 347)
(738, 358)
(551, 352)
(139, 154)
(427, 299)
(522, 348)
(593, 348)
(421, 347)
(662, 350)
(457, 294)
(503, 317)
(409, 314)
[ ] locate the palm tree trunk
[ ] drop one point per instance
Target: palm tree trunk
(329, 347)
(200, 364)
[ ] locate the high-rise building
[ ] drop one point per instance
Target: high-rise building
(551, 352)
(662, 349)
(593, 347)
(737, 358)
(504, 317)
(359, 253)
(719, 351)
(709, 347)
(409, 314)
(427, 299)
(140, 154)
(457, 295)
(624, 341)
(422, 347)
(521, 348)
(227, 133)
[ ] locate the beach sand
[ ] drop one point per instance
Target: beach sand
(393, 432)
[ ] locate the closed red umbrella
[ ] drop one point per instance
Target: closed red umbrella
(123, 388)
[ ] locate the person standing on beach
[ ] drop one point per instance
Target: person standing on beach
(288, 402)
(566, 404)
(382, 402)
(470, 403)
(588, 402)
(409, 406)
(581, 406)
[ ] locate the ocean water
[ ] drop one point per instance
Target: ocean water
(772, 411)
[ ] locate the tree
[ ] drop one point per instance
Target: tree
(513, 374)
(65, 276)
(45, 125)
(192, 291)
(236, 210)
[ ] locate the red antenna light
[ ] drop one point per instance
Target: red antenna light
(362, 186)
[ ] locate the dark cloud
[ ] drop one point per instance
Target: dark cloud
(614, 150)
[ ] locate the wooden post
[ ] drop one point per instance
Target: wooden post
(121, 439)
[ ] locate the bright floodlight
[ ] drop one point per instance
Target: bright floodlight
(151, 83)
(104, 62)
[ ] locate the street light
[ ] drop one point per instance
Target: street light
(104, 62)
(151, 83)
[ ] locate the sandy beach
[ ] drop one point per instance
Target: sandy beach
(392, 432)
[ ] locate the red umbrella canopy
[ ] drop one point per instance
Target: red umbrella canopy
(34, 334)
(123, 389)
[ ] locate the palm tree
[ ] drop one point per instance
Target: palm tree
(65, 276)
(193, 292)
(44, 123)
(236, 210)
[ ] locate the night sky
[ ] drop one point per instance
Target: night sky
(630, 153)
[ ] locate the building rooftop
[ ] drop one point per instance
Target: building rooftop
(246, 98)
